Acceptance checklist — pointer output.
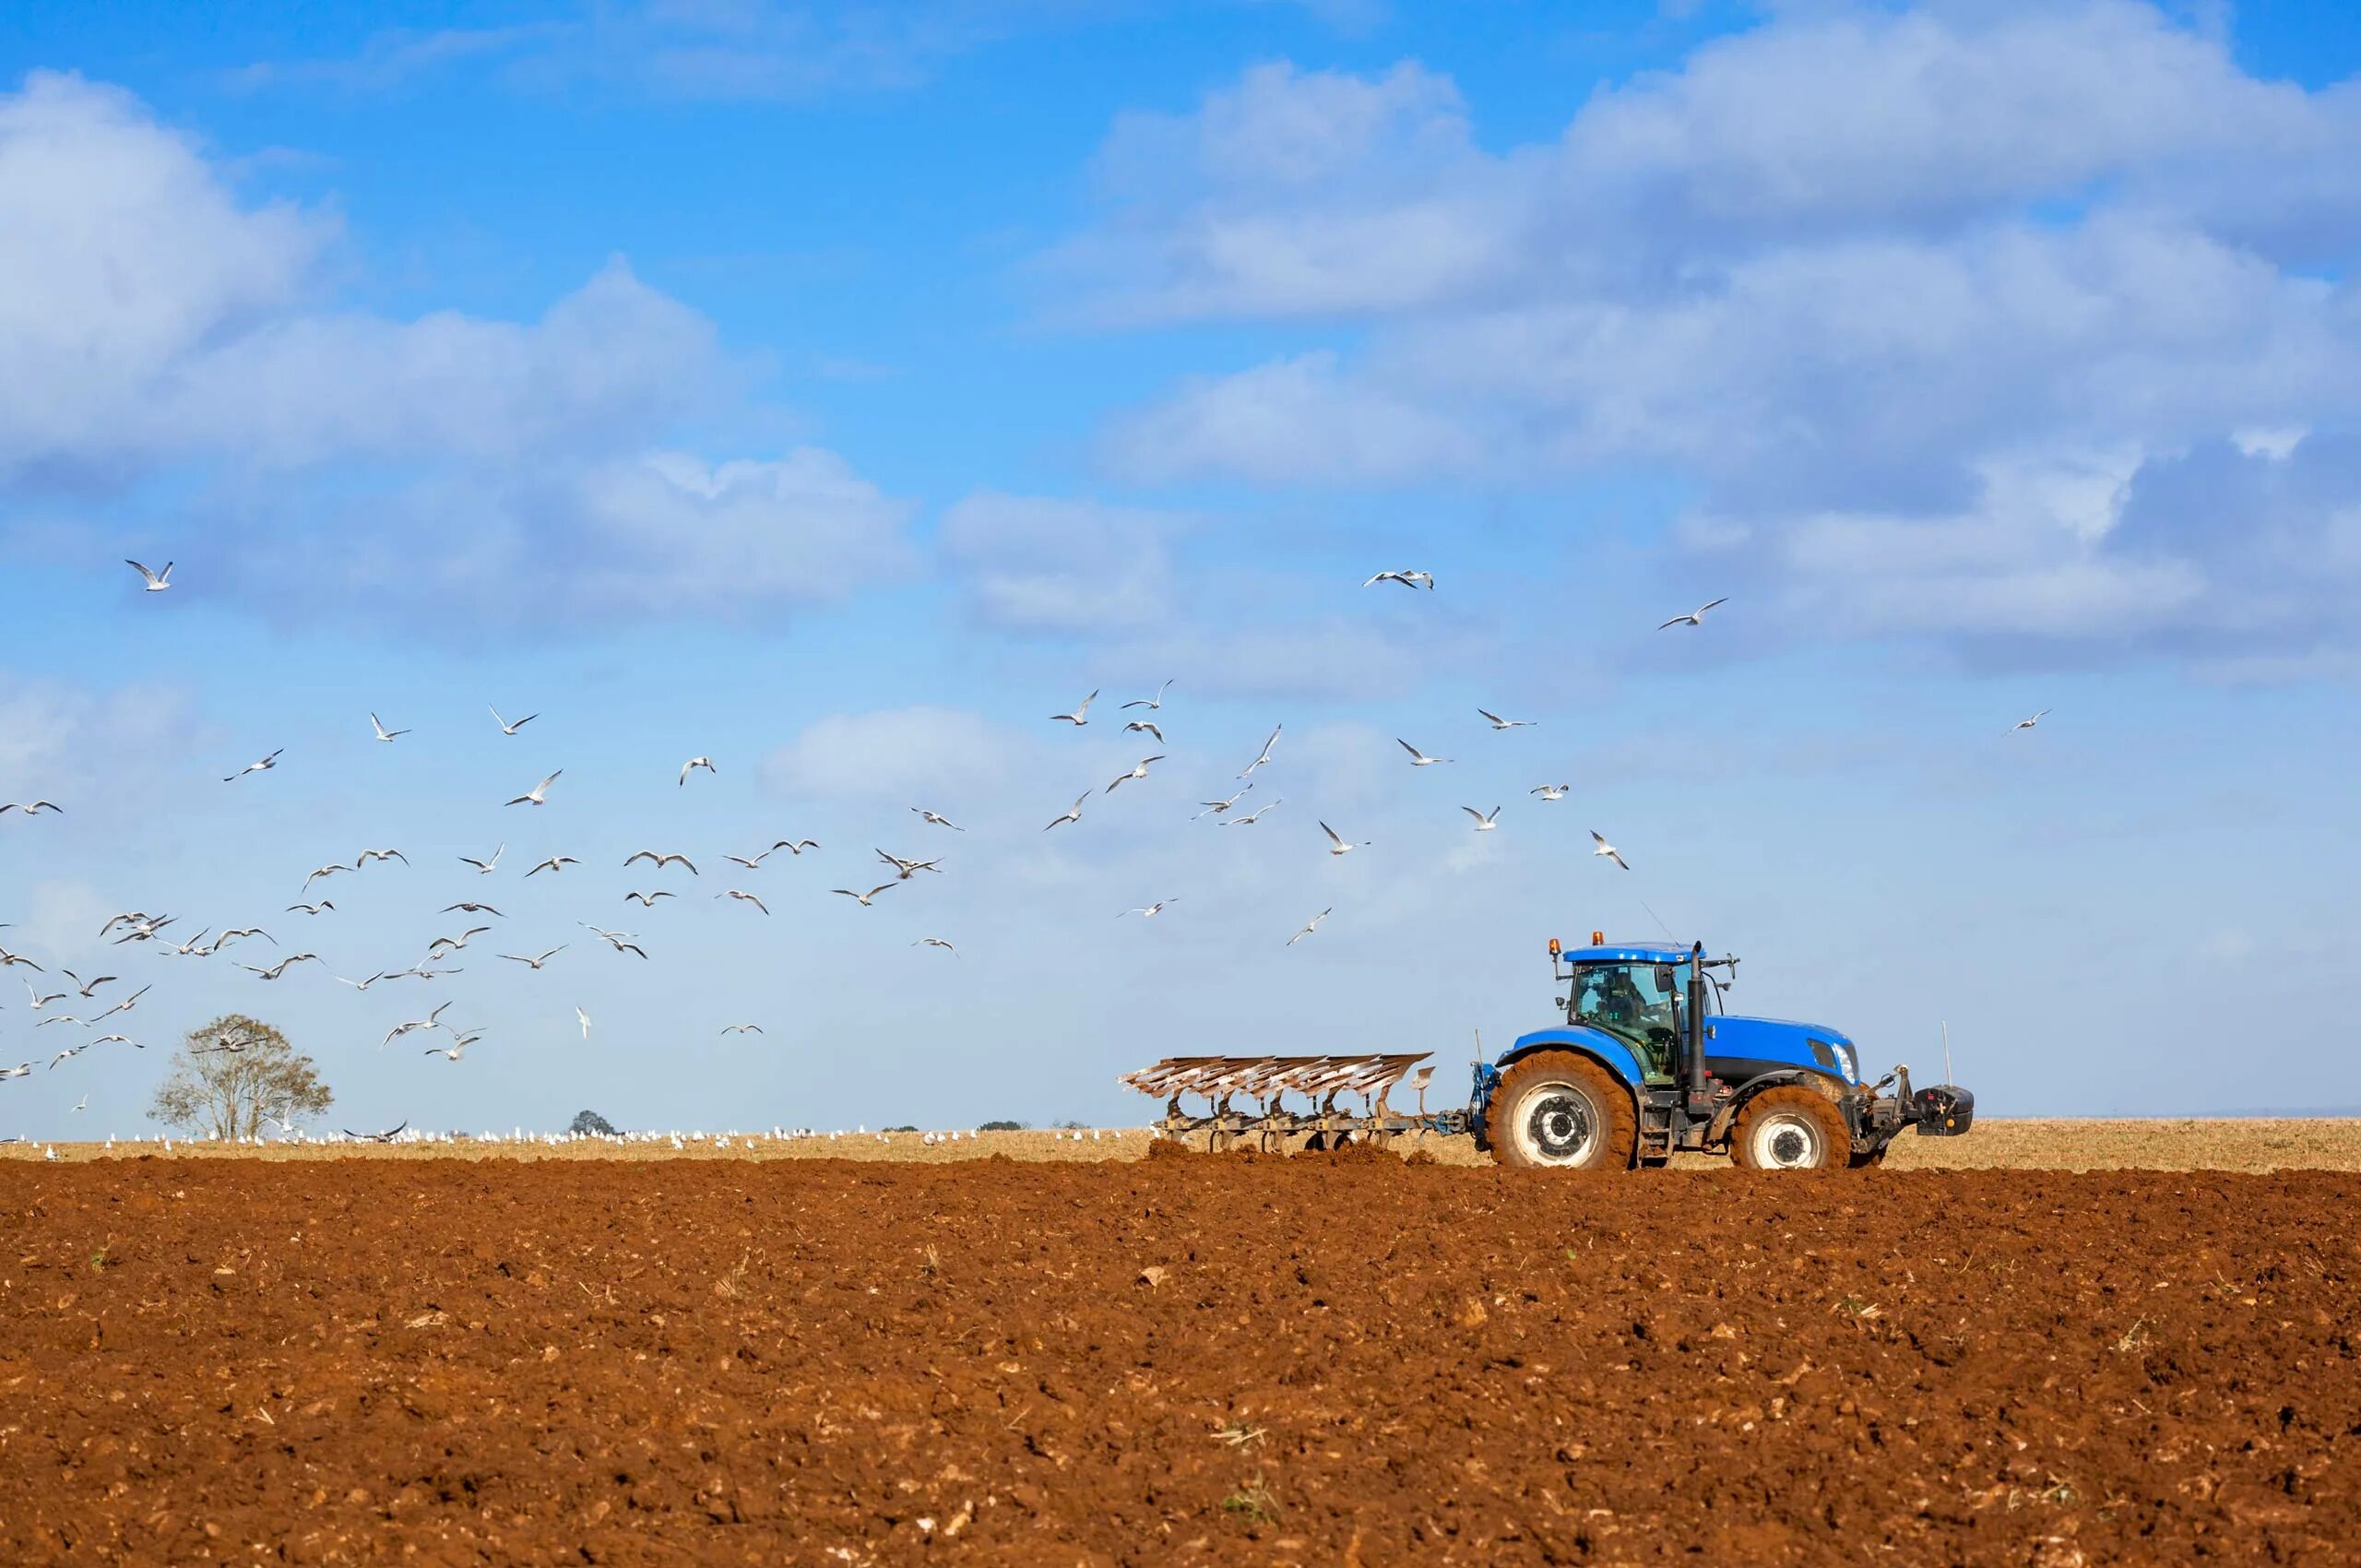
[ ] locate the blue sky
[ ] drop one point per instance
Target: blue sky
(839, 391)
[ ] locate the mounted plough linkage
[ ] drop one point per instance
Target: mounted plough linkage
(1265, 1081)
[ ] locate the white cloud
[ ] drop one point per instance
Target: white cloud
(914, 751)
(1852, 274)
(1040, 564)
(155, 331)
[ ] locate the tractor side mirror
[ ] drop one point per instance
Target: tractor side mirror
(1562, 1001)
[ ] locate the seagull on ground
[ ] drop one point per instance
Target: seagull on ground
(938, 819)
(661, 860)
(1337, 846)
(1251, 818)
(863, 898)
(697, 762)
(1309, 926)
(483, 868)
(1694, 618)
(1550, 792)
(1074, 814)
(1153, 910)
(744, 897)
(2028, 723)
(1610, 850)
(1266, 756)
(157, 581)
(538, 794)
(1076, 717)
(1139, 770)
(1497, 722)
(535, 963)
(1154, 703)
(30, 808)
(1483, 822)
(554, 863)
(1418, 758)
(506, 728)
(265, 765)
(936, 942)
(383, 733)
(1408, 579)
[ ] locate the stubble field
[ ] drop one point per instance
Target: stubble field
(1326, 1360)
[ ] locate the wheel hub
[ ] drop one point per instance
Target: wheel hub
(1559, 1125)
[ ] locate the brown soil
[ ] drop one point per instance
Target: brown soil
(1337, 1362)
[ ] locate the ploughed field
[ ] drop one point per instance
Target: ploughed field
(1188, 1358)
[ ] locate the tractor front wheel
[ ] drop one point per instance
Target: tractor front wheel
(1791, 1128)
(1563, 1112)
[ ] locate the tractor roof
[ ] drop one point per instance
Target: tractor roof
(1629, 953)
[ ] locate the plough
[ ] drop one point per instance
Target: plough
(1265, 1081)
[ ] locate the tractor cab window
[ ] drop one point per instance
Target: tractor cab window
(1639, 1003)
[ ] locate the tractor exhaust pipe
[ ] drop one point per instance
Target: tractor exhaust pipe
(1697, 1023)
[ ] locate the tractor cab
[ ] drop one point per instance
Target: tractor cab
(1637, 995)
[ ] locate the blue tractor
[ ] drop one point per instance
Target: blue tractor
(1647, 1063)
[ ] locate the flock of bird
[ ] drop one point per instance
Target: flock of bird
(139, 929)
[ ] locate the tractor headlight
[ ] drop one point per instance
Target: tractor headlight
(1851, 1061)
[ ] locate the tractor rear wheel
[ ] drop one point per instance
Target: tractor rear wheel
(1563, 1112)
(1791, 1128)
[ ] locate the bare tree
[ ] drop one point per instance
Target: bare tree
(234, 1074)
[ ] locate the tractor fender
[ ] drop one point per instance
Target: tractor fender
(1604, 1050)
(1719, 1128)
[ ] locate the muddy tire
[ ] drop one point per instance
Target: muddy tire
(1561, 1112)
(1791, 1128)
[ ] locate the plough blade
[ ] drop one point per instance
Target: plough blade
(1266, 1081)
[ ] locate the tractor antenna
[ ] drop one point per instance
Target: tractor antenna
(1659, 920)
(1479, 1048)
(1947, 1052)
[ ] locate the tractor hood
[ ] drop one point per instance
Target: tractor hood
(1738, 1048)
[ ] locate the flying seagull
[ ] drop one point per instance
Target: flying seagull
(506, 728)
(329, 870)
(1550, 792)
(2029, 723)
(1418, 758)
(793, 846)
(554, 863)
(1309, 926)
(1251, 818)
(280, 968)
(936, 942)
(1144, 727)
(661, 860)
(647, 900)
(383, 733)
(468, 906)
(7, 958)
(1153, 910)
(483, 868)
(938, 819)
(30, 810)
(1215, 808)
(746, 897)
(535, 963)
(1408, 579)
(1498, 723)
(1151, 704)
(265, 765)
(1337, 846)
(367, 855)
(538, 794)
(741, 1029)
(385, 1137)
(90, 986)
(1266, 756)
(320, 907)
(697, 762)
(584, 1019)
(1610, 850)
(1074, 814)
(903, 868)
(862, 899)
(1139, 770)
(1484, 824)
(39, 1002)
(157, 581)
(1694, 618)
(1076, 717)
